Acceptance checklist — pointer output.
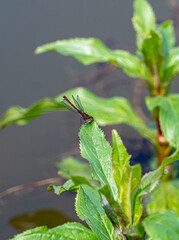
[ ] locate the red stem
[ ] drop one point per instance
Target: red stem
(164, 149)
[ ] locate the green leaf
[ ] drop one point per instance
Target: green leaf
(130, 182)
(120, 158)
(162, 226)
(143, 20)
(21, 116)
(92, 50)
(88, 208)
(115, 204)
(171, 65)
(168, 116)
(68, 186)
(172, 158)
(97, 151)
(73, 167)
(127, 178)
(71, 185)
(166, 30)
(114, 110)
(131, 65)
(110, 213)
(164, 197)
(78, 180)
(85, 50)
(135, 231)
(154, 102)
(68, 231)
(148, 184)
(152, 50)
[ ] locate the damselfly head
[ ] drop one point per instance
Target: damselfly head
(87, 118)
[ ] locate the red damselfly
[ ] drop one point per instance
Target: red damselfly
(78, 108)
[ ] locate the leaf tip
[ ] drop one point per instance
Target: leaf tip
(38, 50)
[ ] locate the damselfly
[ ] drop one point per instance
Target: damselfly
(78, 108)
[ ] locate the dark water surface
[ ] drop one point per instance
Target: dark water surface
(28, 153)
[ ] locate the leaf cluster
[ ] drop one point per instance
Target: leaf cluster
(110, 194)
(110, 198)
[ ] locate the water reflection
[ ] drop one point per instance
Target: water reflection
(44, 217)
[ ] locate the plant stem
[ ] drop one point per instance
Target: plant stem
(164, 149)
(157, 80)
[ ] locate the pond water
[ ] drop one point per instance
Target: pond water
(28, 153)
